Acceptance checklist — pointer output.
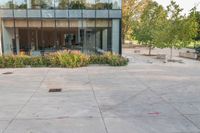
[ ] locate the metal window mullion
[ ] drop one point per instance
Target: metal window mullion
(95, 27)
(68, 28)
(15, 37)
(41, 19)
(120, 34)
(28, 28)
(84, 29)
(55, 28)
(2, 46)
(108, 28)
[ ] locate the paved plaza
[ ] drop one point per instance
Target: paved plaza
(147, 96)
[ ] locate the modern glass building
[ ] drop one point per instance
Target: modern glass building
(36, 26)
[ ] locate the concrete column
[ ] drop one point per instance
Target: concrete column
(115, 36)
(0, 41)
(8, 35)
(17, 41)
(105, 39)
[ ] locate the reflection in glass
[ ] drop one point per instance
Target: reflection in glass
(6, 4)
(8, 36)
(103, 35)
(35, 4)
(76, 4)
(89, 45)
(61, 4)
(89, 4)
(74, 37)
(47, 4)
(20, 4)
(116, 4)
(102, 4)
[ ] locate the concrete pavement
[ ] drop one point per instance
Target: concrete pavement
(138, 98)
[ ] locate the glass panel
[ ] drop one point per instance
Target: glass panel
(8, 23)
(103, 35)
(61, 40)
(34, 4)
(76, 4)
(74, 36)
(89, 4)
(6, 4)
(21, 23)
(34, 23)
(8, 36)
(23, 40)
(89, 23)
(115, 14)
(116, 4)
(75, 23)
(88, 13)
(35, 44)
(101, 23)
(49, 39)
(89, 38)
(20, 4)
(48, 23)
(61, 4)
(61, 23)
(47, 4)
(20, 13)
(102, 13)
(34, 13)
(102, 4)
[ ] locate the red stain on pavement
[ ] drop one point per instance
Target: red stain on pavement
(154, 113)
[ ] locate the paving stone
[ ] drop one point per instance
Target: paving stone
(65, 125)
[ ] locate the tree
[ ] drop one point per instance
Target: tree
(132, 9)
(178, 31)
(196, 14)
(151, 22)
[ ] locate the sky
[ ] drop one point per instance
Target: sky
(185, 4)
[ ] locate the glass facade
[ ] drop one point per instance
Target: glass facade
(90, 26)
(34, 4)
(103, 4)
(47, 4)
(116, 4)
(89, 4)
(20, 4)
(76, 4)
(61, 4)
(6, 4)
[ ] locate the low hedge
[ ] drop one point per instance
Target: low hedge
(110, 59)
(65, 59)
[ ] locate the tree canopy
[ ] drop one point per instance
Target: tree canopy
(152, 20)
(168, 28)
(132, 9)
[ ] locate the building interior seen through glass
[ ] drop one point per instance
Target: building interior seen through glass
(88, 36)
(61, 4)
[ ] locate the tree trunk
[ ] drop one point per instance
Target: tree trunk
(123, 39)
(150, 50)
(171, 52)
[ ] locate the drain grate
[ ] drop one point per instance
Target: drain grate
(55, 90)
(6, 73)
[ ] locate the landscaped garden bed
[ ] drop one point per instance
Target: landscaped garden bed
(66, 59)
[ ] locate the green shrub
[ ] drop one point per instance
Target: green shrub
(37, 61)
(109, 58)
(1, 62)
(65, 59)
